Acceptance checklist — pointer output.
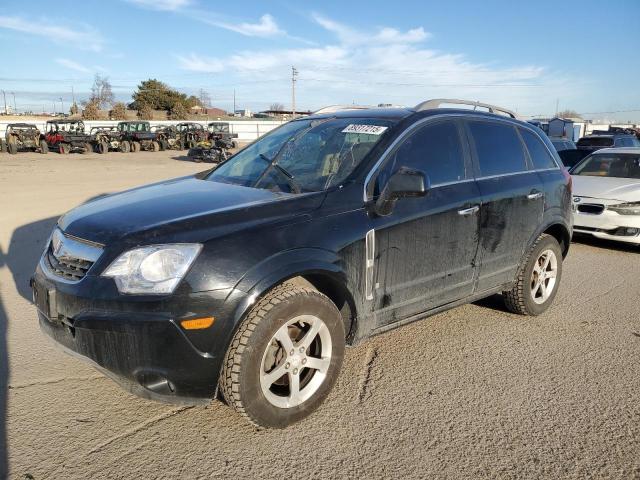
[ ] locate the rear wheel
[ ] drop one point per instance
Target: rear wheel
(538, 278)
(12, 148)
(135, 147)
(87, 148)
(285, 357)
(155, 146)
(125, 147)
(103, 147)
(44, 148)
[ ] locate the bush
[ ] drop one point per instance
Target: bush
(178, 112)
(91, 111)
(145, 112)
(119, 112)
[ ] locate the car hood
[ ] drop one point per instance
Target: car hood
(178, 209)
(610, 188)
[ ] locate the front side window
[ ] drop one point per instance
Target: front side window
(621, 165)
(303, 155)
(433, 149)
(498, 148)
(538, 152)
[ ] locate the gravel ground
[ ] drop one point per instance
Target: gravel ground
(474, 392)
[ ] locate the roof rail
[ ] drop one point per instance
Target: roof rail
(338, 108)
(435, 103)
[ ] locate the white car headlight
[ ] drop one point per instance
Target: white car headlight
(626, 208)
(156, 269)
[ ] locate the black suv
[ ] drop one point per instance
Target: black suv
(607, 138)
(249, 279)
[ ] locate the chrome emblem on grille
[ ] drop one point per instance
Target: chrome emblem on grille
(577, 199)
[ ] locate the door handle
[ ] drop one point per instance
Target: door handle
(469, 211)
(535, 195)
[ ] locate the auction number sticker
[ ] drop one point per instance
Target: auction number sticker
(370, 129)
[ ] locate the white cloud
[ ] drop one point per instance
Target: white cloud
(351, 36)
(70, 64)
(163, 5)
(78, 36)
(385, 65)
(265, 27)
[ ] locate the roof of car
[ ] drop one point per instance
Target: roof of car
(631, 150)
(400, 113)
(65, 121)
(26, 125)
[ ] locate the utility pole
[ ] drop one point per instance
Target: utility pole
(15, 107)
(234, 102)
(73, 95)
(5, 101)
(62, 105)
(294, 74)
(557, 106)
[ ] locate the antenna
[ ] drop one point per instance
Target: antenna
(294, 74)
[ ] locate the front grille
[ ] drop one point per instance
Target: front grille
(591, 208)
(70, 268)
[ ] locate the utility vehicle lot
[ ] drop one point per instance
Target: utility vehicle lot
(472, 392)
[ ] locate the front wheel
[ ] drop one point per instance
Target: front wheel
(44, 148)
(125, 147)
(285, 357)
(538, 278)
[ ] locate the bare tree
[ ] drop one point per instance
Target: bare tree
(568, 114)
(276, 107)
(101, 92)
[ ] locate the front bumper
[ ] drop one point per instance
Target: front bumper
(138, 341)
(608, 224)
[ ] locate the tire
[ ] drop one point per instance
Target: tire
(191, 144)
(245, 383)
(88, 148)
(125, 147)
(532, 295)
(155, 146)
(3, 146)
(135, 147)
(12, 148)
(181, 145)
(103, 148)
(44, 148)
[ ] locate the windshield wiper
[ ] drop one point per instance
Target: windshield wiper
(271, 164)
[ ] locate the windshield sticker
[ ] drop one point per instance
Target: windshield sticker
(370, 129)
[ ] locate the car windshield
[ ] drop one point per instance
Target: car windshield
(303, 155)
(619, 165)
(595, 142)
(219, 127)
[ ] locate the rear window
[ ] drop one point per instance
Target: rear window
(627, 142)
(498, 147)
(595, 142)
(538, 152)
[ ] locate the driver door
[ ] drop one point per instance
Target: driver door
(426, 248)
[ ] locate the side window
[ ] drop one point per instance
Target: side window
(433, 149)
(537, 151)
(498, 147)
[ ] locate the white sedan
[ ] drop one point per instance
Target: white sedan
(606, 195)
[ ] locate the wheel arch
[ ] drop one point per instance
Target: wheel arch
(561, 233)
(325, 277)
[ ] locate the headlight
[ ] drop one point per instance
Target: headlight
(626, 208)
(156, 269)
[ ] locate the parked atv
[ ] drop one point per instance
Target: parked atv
(209, 152)
(108, 138)
(139, 136)
(66, 136)
(24, 136)
(191, 133)
(221, 134)
(168, 137)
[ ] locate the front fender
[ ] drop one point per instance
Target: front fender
(281, 267)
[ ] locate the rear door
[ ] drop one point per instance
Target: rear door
(512, 199)
(426, 248)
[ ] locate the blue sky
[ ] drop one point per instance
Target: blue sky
(523, 55)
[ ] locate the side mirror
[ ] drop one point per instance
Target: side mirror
(404, 183)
